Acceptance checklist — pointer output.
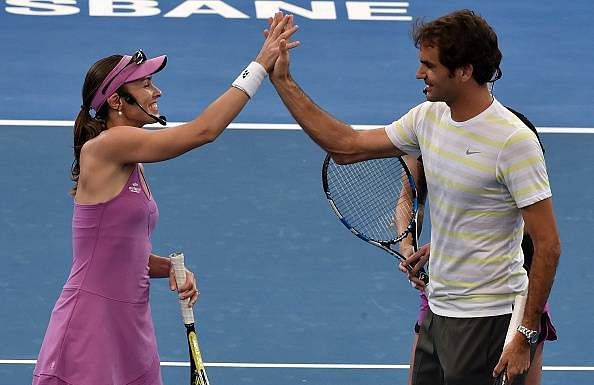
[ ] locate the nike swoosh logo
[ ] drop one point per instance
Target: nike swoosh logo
(468, 152)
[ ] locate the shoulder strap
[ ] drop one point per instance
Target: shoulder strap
(528, 124)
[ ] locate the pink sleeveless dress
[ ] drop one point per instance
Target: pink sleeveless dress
(101, 330)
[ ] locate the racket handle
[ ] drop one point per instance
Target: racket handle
(423, 276)
(501, 380)
(516, 317)
(177, 263)
(514, 322)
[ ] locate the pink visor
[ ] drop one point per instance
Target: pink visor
(129, 69)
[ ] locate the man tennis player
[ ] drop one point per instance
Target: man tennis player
(547, 329)
(486, 179)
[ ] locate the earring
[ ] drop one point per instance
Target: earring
(119, 113)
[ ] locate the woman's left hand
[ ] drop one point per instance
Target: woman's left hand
(188, 290)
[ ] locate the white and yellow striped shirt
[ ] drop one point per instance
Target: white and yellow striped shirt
(479, 174)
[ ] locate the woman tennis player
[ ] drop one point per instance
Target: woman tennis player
(101, 330)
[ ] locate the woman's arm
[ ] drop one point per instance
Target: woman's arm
(160, 267)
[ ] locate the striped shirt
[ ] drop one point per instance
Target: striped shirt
(479, 174)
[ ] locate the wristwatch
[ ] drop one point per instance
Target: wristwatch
(531, 335)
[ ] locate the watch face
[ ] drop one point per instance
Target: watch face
(531, 335)
(533, 338)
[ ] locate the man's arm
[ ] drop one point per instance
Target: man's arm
(540, 222)
(345, 144)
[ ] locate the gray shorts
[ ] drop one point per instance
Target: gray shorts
(459, 351)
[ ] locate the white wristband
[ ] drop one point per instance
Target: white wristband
(250, 78)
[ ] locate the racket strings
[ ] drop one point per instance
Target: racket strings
(374, 197)
(374, 219)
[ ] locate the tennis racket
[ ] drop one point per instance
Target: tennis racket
(514, 322)
(197, 370)
(376, 200)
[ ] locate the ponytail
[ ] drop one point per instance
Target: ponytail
(87, 127)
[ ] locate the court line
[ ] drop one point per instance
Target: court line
(268, 126)
(304, 366)
(272, 126)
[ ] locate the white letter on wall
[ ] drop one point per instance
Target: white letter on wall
(127, 8)
(363, 10)
(42, 8)
(320, 10)
(217, 7)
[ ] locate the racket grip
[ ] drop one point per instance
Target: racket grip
(423, 276)
(516, 317)
(514, 322)
(179, 269)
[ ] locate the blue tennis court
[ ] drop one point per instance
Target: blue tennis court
(288, 295)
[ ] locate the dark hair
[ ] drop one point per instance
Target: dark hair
(87, 127)
(462, 38)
